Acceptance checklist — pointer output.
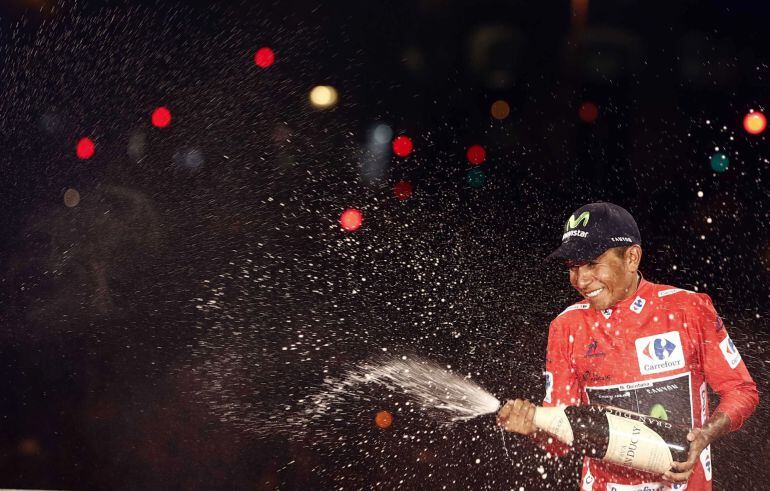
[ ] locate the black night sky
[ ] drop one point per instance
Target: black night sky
(168, 301)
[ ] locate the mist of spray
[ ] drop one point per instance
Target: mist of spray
(437, 390)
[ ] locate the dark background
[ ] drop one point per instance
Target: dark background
(143, 329)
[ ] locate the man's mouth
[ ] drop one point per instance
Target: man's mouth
(594, 293)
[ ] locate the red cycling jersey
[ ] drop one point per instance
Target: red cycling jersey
(652, 353)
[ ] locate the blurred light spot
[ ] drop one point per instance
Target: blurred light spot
(376, 157)
(494, 52)
(413, 59)
(402, 145)
(281, 134)
(719, 162)
(476, 154)
(588, 112)
(382, 134)
(351, 219)
(579, 13)
(71, 198)
(609, 56)
(323, 96)
(29, 447)
(425, 456)
(264, 57)
(476, 178)
(403, 190)
(500, 109)
(190, 158)
(85, 148)
(51, 122)
(161, 117)
(136, 145)
(700, 194)
(755, 122)
(383, 419)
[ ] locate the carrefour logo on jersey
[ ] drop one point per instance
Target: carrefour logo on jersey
(660, 353)
(730, 352)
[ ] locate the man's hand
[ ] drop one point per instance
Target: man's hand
(517, 417)
(681, 471)
(716, 427)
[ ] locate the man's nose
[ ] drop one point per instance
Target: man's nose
(584, 277)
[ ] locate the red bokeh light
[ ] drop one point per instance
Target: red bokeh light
(755, 122)
(351, 219)
(161, 117)
(264, 57)
(383, 419)
(476, 154)
(402, 145)
(403, 190)
(85, 148)
(588, 112)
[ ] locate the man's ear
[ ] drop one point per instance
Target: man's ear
(633, 257)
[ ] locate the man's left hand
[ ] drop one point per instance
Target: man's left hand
(681, 471)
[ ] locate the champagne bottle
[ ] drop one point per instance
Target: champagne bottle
(616, 435)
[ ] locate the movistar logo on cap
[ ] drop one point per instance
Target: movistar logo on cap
(574, 222)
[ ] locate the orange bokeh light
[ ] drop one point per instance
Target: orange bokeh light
(351, 219)
(500, 109)
(755, 122)
(383, 419)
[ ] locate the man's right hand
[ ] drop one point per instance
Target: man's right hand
(517, 417)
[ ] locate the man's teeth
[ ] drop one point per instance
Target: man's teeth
(594, 293)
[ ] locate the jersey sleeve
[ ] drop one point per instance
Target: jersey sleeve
(725, 372)
(561, 383)
(563, 389)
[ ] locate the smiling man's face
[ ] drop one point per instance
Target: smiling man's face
(608, 279)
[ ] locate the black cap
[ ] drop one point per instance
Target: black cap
(594, 228)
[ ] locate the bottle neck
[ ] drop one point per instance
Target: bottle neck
(554, 420)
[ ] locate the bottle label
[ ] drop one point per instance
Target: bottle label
(633, 444)
(554, 421)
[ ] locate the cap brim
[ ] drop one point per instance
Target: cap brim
(576, 251)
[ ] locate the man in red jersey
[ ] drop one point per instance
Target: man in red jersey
(636, 345)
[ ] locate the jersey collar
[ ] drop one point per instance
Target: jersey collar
(640, 292)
